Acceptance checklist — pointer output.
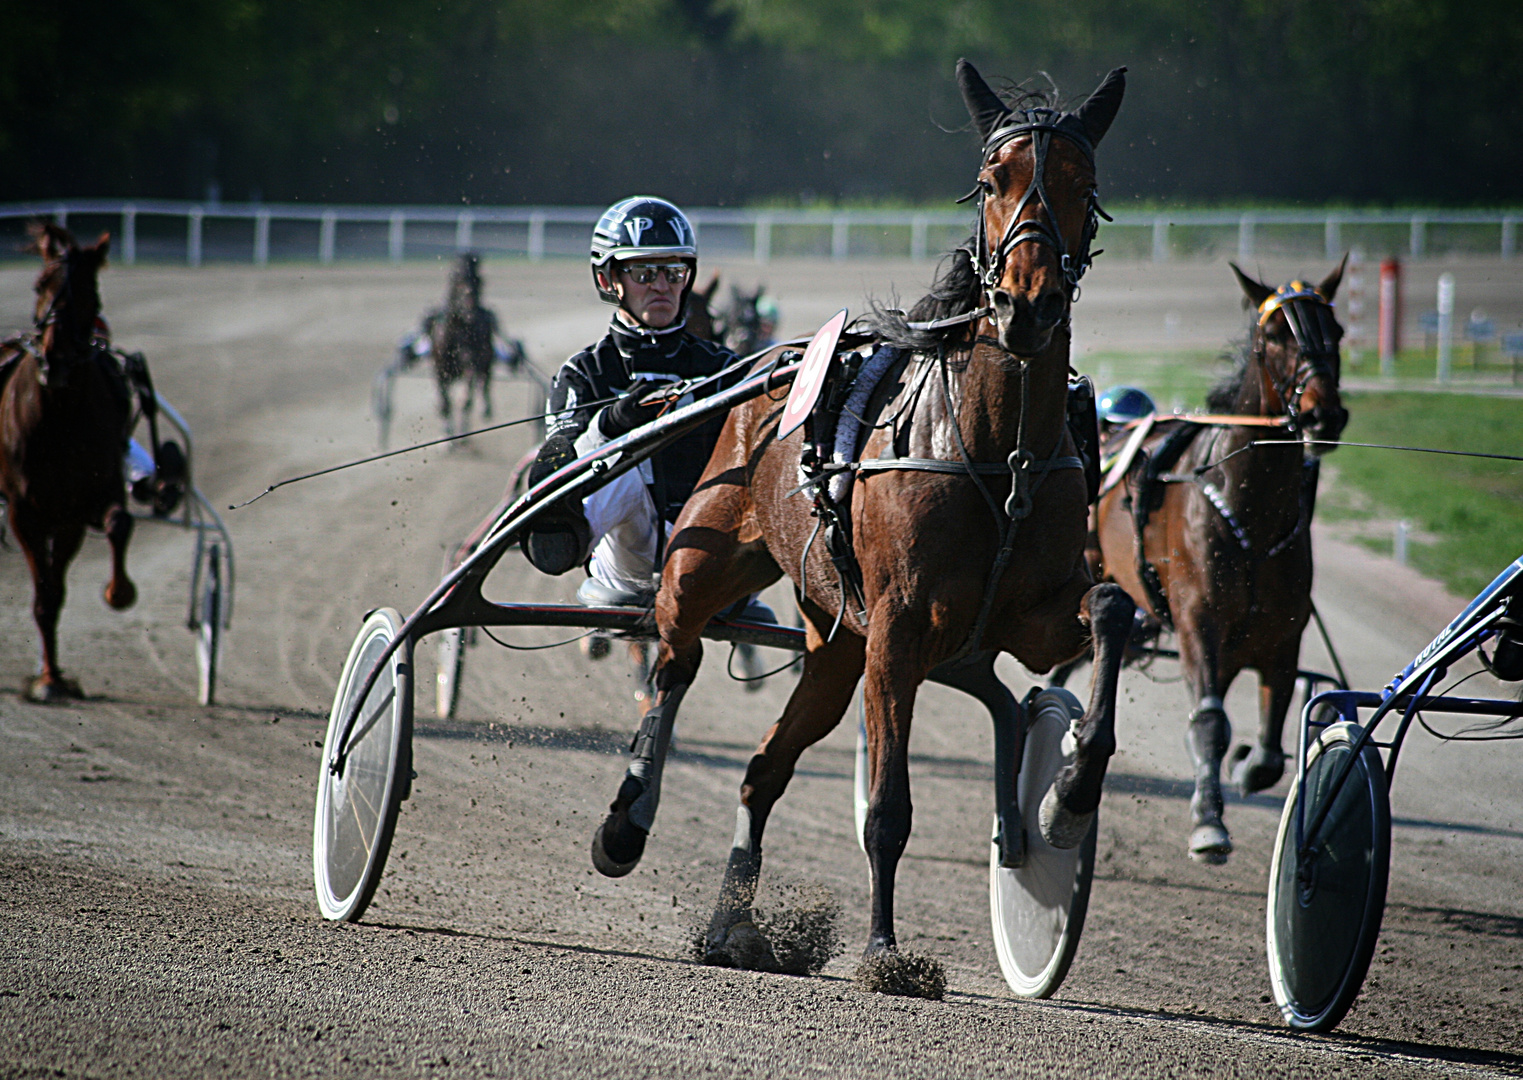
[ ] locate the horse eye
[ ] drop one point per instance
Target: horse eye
(988, 185)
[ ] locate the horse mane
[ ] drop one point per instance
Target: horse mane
(1225, 392)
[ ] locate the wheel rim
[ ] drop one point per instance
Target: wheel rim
(352, 807)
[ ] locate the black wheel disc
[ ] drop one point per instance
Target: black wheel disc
(1325, 907)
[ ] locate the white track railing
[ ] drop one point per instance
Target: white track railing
(1161, 236)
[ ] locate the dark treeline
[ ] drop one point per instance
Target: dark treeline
(730, 102)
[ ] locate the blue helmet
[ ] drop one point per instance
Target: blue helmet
(1121, 404)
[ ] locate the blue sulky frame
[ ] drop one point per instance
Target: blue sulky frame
(1328, 878)
(1407, 693)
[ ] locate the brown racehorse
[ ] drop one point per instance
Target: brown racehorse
(64, 415)
(951, 568)
(1226, 548)
(460, 339)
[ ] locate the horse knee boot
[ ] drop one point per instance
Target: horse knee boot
(619, 842)
(1207, 739)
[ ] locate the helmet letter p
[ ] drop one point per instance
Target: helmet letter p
(636, 226)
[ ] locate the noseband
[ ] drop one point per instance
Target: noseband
(989, 263)
(1310, 317)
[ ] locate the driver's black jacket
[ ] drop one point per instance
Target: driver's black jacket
(609, 368)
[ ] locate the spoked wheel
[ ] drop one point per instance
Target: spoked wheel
(451, 661)
(1037, 910)
(357, 806)
(1325, 909)
(206, 621)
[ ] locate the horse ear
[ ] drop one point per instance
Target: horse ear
(1097, 113)
(102, 246)
(1256, 291)
(713, 287)
(1329, 286)
(984, 105)
(49, 240)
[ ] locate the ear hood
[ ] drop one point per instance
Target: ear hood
(1100, 110)
(984, 105)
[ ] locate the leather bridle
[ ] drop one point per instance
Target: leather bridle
(989, 262)
(1315, 330)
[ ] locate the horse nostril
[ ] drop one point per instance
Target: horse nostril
(1004, 305)
(1049, 308)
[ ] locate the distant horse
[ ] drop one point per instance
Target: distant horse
(744, 322)
(65, 415)
(968, 537)
(461, 340)
(699, 312)
(1212, 537)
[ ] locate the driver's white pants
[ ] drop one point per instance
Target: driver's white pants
(624, 533)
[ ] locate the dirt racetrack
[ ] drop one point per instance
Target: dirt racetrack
(155, 869)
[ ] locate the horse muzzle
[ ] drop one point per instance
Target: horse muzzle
(1026, 325)
(1322, 424)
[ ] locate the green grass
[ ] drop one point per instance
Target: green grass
(1467, 513)
(1472, 507)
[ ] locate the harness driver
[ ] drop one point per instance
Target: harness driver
(644, 261)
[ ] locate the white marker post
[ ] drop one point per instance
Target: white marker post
(1445, 325)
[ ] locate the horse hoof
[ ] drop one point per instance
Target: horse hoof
(1256, 768)
(617, 845)
(596, 646)
(740, 946)
(1210, 844)
(44, 690)
(904, 974)
(120, 598)
(1060, 826)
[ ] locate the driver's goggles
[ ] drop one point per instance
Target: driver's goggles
(676, 274)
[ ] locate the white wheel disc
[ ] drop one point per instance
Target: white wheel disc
(1038, 910)
(451, 657)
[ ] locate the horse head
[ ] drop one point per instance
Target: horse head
(68, 294)
(465, 282)
(1038, 204)
(1295, 345)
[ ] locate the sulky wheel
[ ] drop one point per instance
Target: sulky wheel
(1037, 909)
(451, 660)
(357, 805)
(206, 620)
(1325, 908)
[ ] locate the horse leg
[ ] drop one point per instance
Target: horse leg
(486, 393)
(41, 551)
(1208, 737)
(120, 593)
(1260, 767)
(445, 409)
(708, 570)
(1070, 804)
(831, 671)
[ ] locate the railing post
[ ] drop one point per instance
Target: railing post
(839, 237)
(536, 237)
(918, 231)
(463, 225)
(327, 234)
(1332, 236)
(1418, 245)
(1160, 239)
(763, 238)
(395, 234)
(129, 234)
(193, 236)
(261, 238)
(61, 216)
(1509, 237)
(1445, 326)
(1245, 238)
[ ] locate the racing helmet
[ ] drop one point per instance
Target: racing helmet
(1121, 404)
(642, 226)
